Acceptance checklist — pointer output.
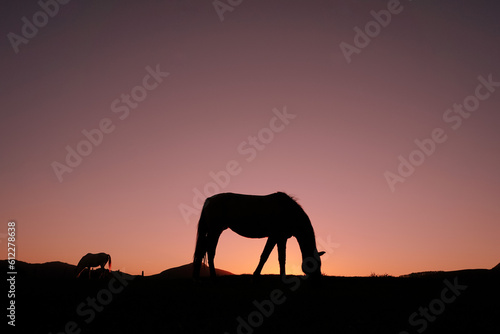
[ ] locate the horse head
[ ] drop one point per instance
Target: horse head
(311, 265)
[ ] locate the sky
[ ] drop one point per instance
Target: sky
(118, 118)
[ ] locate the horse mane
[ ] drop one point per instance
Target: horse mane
(292, 197)
(281, 193)
(308, 229)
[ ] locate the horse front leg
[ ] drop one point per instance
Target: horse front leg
(102, 270)
(282, 256)
(265, 255)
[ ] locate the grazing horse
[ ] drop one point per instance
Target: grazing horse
(276, 216)
(93, 260)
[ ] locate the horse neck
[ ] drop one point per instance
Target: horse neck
(306, 240)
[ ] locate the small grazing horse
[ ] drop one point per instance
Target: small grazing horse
(93, 260)
(276, 216)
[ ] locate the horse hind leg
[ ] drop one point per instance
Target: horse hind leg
(212, 241)
(199, 255)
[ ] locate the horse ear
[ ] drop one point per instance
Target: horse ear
(321, 253)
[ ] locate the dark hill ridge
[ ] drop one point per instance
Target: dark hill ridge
(456, 272)
(58, 269)
(186, 271)
(54, 269)
(447, 273)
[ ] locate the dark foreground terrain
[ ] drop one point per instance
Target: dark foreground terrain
(446, 302)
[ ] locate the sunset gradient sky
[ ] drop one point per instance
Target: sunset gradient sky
(228, 87)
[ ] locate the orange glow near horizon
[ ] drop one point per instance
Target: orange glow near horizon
(217, 123)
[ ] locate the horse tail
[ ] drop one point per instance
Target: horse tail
(78, 271)
(200, 252)
(109, 262)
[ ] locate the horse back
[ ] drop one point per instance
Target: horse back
(252, 216)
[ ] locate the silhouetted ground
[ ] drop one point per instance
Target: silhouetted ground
(336, 305)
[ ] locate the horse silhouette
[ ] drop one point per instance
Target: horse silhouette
(276, 216)
(93, 260)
